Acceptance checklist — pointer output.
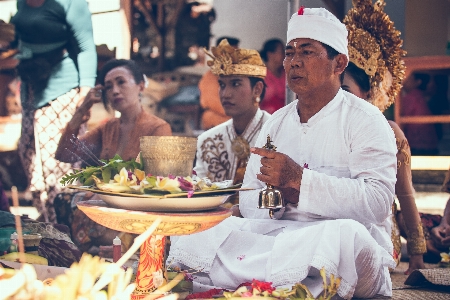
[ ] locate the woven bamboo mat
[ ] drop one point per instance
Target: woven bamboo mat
(401, 291)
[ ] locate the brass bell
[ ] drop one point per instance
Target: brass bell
(270, 198)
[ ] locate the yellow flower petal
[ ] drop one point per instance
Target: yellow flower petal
(139, 174)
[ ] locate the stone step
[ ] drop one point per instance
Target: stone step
(428, 172)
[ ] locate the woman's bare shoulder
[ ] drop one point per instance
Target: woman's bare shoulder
(399, 134)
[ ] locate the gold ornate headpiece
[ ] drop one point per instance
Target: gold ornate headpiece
(376, 47)
(230, 61)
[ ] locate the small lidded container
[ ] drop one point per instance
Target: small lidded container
(117, 249)
(31, 242)
(14, 246)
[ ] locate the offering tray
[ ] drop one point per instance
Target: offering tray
(201, 200)
(151, 260)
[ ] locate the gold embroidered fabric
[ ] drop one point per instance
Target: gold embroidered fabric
(231, 61)
(214, 153)
(402, 148)
(376, 47)
(395, 236)
(223, 155)
(241, 149)
(416, 243)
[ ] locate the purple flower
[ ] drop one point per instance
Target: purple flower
(185, 185)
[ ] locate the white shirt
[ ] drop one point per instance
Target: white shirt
(350, 152)
(342, 220)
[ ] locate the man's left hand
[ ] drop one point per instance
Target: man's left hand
(278, 169)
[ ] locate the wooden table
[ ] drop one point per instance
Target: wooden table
(152, 257)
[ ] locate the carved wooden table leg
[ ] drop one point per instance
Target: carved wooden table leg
(151, 267)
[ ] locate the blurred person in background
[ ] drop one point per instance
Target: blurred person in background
(213, 112)
(57, 67)
(193, 29)
(422, 138)
(273, 56)
(437, 229)
(437, 91)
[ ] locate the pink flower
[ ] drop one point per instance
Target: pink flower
(194, 173)
(301, 10)
(305, 165)
(188, 276)
(190, 194)
(185, 185)
(247, 294)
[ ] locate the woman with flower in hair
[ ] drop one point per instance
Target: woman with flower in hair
(375, 73)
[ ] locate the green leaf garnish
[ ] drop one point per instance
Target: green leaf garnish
(110, 168)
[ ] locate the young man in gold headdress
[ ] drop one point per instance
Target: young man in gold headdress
(335, 165)
(223, 151)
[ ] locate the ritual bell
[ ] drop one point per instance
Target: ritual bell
(270, 198)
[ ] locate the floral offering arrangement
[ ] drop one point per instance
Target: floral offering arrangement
(79, 282)
(119, 176)
(260, 289)
(445, 260)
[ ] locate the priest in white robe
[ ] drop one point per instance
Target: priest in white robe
(335, 164)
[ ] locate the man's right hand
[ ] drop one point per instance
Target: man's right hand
(281, 171)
